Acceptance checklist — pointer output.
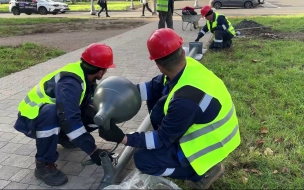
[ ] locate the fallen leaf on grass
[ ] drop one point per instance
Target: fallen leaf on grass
(275, 172)
(253, 109)
(255, 60)
(253, 171)
(279, 140)
(284, 170)
(268, 152)
(264, 130)
(260, 142)
(256, 171)
(263, 122)
(244, 180)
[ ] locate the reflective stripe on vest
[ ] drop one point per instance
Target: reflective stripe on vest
(162, 5)
(205, 145)
(30, 105)
(214, 24)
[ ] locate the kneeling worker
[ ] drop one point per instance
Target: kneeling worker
(193, 117)
(220, 26)
(58, 110)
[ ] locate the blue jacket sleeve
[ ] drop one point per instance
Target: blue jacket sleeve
(222, 23)
(202, 32)
(68, 93)
(182, 113)
(151, 90)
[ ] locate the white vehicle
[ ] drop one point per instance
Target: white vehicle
(4, 1)
(63, 6)
(28, 7)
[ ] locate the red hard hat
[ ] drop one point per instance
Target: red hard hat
(205, 10)
(99, 55)
(163, 42)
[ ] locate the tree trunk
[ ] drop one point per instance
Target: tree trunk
(93, 12)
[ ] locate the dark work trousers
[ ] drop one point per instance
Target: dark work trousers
(47, 123)
(164, 162)
(103, 6)
(165, 18)
(222, 39)
(148, 8)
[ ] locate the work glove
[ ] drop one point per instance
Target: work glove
(95, 157)
(89, 111)
(115, 134)
(213, 30)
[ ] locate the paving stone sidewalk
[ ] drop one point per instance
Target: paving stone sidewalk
(17, 152)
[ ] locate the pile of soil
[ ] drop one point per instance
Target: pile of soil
(264, 33)
(247, 24)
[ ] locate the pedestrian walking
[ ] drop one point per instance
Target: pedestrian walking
(104, 6)
(145, 5)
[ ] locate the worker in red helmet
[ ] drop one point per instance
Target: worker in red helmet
(58, 110)
(192, 114)
(220, 26)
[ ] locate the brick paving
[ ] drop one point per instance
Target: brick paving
(17, 152)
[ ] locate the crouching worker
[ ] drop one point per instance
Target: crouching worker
(195, 123)
(59, 110)
(220, 26)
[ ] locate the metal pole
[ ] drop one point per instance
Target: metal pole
(132, 5)
(92, 12)
(154, 11)
(111, 173)
(193, 52)
(196, 4)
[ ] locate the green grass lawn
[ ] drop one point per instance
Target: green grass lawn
(13, 59)
(86, 6)
(288, 23)
(13, 26)
(265, 78)
(112, 5)
(35, 20)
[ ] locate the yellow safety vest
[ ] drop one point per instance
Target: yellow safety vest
(162, 5)
(214, 24)
(205, 145)
(30, 105)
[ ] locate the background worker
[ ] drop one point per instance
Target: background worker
(61, 103)
(193, 117)
(165, 10)
(220, 26)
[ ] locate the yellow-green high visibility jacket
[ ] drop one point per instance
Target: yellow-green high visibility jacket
(162, 5)
(205, 145)
(30, 105)
(214, 24)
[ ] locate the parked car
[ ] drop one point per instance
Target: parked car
(217, 4)
(28, 7)
(4, 1)
(64, 7)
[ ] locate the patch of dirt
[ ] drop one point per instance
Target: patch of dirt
(247, 24)
(74, 35)
(264, 32)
